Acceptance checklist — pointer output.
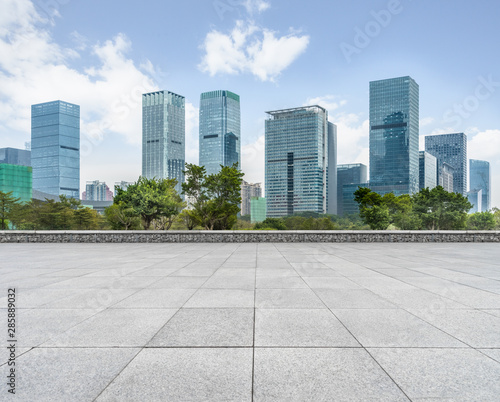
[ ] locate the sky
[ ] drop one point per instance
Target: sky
(276, 54)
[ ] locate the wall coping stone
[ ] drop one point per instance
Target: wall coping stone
(249, 236)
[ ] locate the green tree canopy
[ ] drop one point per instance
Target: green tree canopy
(8, 204)
(216, 198)
(151, 200)
(481, 221)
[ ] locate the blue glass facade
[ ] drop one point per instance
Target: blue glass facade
(428, 170)
(220, 130)
(450, 149)
(297, 157)
(55, 148)
(14, 156)
(394, 131)
(349, 174)
(163, 136)
(480, 179)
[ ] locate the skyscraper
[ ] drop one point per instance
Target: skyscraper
(97, 191)
(428, 170)
(450, 149)
(298, 161)
(163, 136)
(249, 190)
(354, 174)
(55, 148)
(394, 130)
(219, 130)
(480, 179)
(14, 156)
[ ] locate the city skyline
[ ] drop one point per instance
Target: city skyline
(64, 52)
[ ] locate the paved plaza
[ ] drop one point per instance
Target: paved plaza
(263, 322)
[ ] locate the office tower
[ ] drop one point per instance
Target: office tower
(297, 161)
(163, 136)
(480, 179)
(331, 177)
(354, 174)
(97, 191)
(475, 197)
(428, 170)
(450, 149)
(122, 184)
(394, 125)
(219, 130)
(14, 156)
(55, 148)
(248, 190)
(258, 209)
(445, 176)
(18, 179)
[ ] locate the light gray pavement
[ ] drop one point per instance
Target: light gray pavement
(263, 322)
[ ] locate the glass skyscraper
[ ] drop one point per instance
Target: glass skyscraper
(349, 174)
(299, 158)
(450, 149)
(480, 179)
(219, 130)
(428, 170)
(163, 136)
(55, 148)
(394, 130)
(14, 156)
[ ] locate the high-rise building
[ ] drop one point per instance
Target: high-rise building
(331, 173)
(219, 130)
(428, 170)
(163, 136)
(480, 179)
(475, 197)
(248, 190)
(122, 184)
(14, 156)
(451, 149)
(55, 148)
(18, 179)
(258, 209)
(299, 160)
(352, 173)
(97, 191)
(394, 131)
(445, 176)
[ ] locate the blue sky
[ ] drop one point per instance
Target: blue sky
(274, 53)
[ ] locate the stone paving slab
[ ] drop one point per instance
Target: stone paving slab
(263, 322)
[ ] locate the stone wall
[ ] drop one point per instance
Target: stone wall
(249, 236)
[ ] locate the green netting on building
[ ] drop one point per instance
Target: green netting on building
(17, 179)
(258, 209)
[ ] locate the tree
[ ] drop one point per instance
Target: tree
(151, 200)
(481, 221)
(271, 223)
(372, 208)
(122, 217)
(8, 204)
(496, 216)
(440, 210)
(216, 197)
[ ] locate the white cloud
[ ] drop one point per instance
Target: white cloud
(33, 69)
(250, 49)
(253, 6)
(484, 145)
